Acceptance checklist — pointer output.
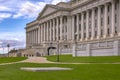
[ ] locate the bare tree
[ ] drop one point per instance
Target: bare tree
(8, 45)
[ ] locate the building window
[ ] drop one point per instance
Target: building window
(75, 37)
(102, 10)
(108, 20)
(115, 18)
(79, 17)
(115, 30)
(84, 15)
(80, 36)
(108, 8)
(90, 14)
(90, 26)
(115, 6)
(84, 35)
(101, 32)
(95, 33)
(80, 27)
(95, 23)
(95, 12)
(108, 31)
(89, 34)
(101, 21)
(84, 26)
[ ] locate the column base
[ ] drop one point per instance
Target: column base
(104, 36)
(81, 39)
(98, 37)
(86, 39)
(118, 34)
(91, 38)
(112, 35)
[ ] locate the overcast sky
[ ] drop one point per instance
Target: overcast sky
(14, 14)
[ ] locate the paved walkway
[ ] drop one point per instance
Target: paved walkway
(44, 60)
(31, 60)
(37, 60)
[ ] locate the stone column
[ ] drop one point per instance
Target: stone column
(82, 26)
(113, 19)
(47, 31)
(78, 27)
(50, 30)
(44, 32)
(116, 48)
(53, 29)
(69, 27)
(26, 38)
(99, 22)
(119, 19)
(35, 36)
(42, 38)
(93, 23)
(105, 21)
(74, 53)
(57, 27)
(73, 29)
(61, 27)
(87, 24)
(30, 36)
(38, 34)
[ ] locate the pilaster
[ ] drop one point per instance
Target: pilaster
(93, 23)
(119, 19)
(82, 26)
(73, 29)
(99, 20)
(87, 24)
(77, 27)
(105, 21)
(61, 27)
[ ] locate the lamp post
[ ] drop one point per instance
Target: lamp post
(58, 59)
(8, 45)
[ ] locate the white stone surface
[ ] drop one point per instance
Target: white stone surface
(44, 69)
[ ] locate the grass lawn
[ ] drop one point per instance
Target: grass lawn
(69, 58)
(79, 72)
(11, 59)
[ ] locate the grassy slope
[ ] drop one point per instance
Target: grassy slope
(69, 58)
(79, 72)
(11, 59)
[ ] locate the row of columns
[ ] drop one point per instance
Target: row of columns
(105, 33)
(32, 37)
(52, 30)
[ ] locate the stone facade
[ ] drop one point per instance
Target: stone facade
(79, 27)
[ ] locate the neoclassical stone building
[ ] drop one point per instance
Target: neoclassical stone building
(78, 27)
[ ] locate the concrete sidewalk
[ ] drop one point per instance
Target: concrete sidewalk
(37, 60)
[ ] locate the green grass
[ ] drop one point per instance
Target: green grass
(11, 59)
(79, 72)
(69, 58)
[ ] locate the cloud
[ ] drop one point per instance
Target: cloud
(24, 8)
(16, 40)
(20, 36)
(57, 1)
(13, 44)
(4, 8)
(4, 15)
(29, 10)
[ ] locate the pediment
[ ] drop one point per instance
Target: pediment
(46, 11)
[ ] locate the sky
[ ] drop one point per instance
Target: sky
(14, 15)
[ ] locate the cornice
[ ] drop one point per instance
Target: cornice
(31, 24)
